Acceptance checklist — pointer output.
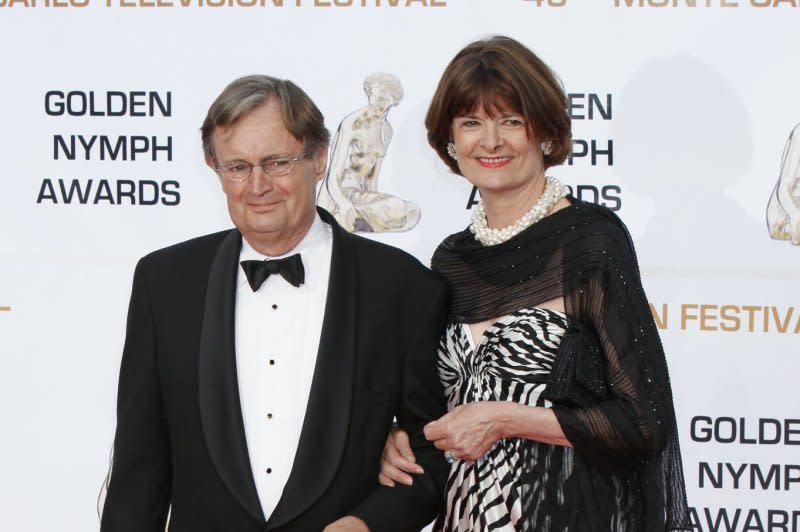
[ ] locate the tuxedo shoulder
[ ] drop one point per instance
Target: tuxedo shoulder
(384, 262)
(198, 250)
(391, 259)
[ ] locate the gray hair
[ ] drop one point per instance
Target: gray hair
(300, 115)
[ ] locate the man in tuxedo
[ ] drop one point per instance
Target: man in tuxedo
(263, 365)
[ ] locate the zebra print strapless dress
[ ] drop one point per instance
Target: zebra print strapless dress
(511, 362)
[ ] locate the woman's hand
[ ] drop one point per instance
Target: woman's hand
(470, 430)
(398, 460)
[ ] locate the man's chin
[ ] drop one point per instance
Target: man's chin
(263, 231)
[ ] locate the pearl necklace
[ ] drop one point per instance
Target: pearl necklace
(554, 190)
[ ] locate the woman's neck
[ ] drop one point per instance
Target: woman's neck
(506, 207)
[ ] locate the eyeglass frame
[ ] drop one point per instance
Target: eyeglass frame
(221, 170)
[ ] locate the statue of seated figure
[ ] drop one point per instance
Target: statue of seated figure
(350, 188)
(783, 209)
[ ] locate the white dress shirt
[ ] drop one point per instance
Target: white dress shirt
(277, 338)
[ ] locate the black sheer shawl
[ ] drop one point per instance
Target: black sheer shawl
(609, 387)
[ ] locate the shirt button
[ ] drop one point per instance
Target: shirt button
(269, 416)
(271, 361)
(269, 470)
(274, 306)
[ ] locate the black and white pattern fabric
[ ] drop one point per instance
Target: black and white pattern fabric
(511, 361)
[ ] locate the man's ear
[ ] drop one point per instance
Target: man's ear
(320, 163)
(213, 165)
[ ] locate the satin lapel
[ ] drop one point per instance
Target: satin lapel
(218, 388)
(327, 417)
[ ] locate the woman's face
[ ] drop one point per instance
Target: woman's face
(494, 152)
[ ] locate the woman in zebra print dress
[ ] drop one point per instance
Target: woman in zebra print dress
(560, 407)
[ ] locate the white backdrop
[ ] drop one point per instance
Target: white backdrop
(699, 100)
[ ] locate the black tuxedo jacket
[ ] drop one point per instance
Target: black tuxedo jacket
(180, 443)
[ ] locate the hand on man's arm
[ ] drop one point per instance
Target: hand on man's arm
(347, 524)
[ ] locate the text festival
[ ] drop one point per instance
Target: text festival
(683, 4)
(710, 317)
(223, 3)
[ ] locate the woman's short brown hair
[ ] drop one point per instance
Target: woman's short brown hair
(500, 73)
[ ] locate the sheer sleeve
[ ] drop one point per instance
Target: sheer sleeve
(614, 339)
(624, 420)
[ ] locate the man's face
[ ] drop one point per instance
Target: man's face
(272, 213)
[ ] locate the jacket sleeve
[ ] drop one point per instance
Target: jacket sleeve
(406, 508)
(140, 475)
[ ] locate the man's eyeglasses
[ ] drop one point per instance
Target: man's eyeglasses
(239, 171)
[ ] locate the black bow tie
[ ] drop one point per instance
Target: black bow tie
(290, 268)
